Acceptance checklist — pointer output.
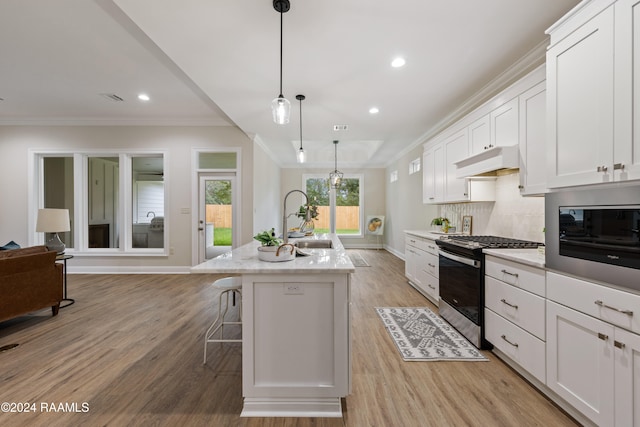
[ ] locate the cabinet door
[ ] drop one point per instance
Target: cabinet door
(433, 175)
(504, 125)
(580, 105)
(627, 90)
(411, 263)
(627, 381)
(533, 126)
(456, 148)
(580, 364)
(480, 135)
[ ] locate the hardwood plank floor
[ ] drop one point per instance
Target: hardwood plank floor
(131, 348)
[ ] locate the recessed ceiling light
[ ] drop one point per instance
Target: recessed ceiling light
(398, 62)
(143, 97)
(374, 110)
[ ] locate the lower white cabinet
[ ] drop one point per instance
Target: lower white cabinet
(421, 266)
(592, 364)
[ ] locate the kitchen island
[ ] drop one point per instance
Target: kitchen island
(296, 358)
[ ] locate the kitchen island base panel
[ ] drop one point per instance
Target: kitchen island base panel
(292, 407)
(296, 352)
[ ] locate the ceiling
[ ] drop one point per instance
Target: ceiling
(214, 62)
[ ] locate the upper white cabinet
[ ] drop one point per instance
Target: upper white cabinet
(456, 147)
(533, 117)
(591, 93)
(480, 134)
(504, 125)
(433, 174)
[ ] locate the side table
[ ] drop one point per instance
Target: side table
(64, 258)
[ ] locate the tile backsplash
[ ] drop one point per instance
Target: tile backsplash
(511, 215)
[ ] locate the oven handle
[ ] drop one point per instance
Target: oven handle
(467, 261)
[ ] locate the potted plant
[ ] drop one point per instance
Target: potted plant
(271, 248)
(441, 223)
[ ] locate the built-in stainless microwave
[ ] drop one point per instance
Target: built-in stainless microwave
(594, 233)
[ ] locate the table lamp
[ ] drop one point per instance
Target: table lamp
(53, 221)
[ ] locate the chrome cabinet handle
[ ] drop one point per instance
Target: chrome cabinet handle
(602, 336)
(618, 166)
(504, 337)
(618, 344)
(602, 168)
(509, 273)
(602, 304)
(510, 305)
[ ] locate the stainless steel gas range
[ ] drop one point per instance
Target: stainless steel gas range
(462, 281)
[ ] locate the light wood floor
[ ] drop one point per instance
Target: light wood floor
(131, 347)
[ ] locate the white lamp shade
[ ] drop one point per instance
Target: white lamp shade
(53, 220)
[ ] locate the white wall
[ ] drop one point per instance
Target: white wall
(405, 210)
(266, 192)
(177, 141)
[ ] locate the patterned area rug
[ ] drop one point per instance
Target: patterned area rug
(420, 334)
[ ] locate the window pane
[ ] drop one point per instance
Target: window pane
(147, 205)
(217, 161)
(58, 191)
(103, 185)
(318, 191)
(348, 206)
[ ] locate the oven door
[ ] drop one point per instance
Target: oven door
(461, 284)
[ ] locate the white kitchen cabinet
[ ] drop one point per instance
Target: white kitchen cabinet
(504, 125)
(480, 135)
(433, 175)
(627, 90)
(592, 90)
(533, 137)
(580, 363)
(421, 266)
(627, 378)
(593, 353)
(515, 313)
(456, 147)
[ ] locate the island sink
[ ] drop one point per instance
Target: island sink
(314, 244)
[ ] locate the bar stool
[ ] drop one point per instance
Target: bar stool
(228, 285)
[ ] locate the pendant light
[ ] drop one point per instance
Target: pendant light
(302, 156)
(335, 177)
(281, 107)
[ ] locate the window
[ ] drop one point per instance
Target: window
(116, 201)
(414, 166)
(338, 210)
(393, 176)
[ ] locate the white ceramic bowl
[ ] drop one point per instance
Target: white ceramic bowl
(277, 253)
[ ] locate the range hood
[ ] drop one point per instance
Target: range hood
(490, 160)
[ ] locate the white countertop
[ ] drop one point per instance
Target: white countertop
(524, 256)
(244, 260)
(434, 235)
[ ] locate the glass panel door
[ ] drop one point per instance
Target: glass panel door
(216, 216)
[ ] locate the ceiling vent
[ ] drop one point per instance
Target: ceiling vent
(112, 97)
(340, 127)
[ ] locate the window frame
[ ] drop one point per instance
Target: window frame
(81, 199)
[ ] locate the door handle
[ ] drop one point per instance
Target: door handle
(200, 228)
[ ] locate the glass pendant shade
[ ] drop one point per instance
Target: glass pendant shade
(281, 109)
(302, 156)
(335, 177)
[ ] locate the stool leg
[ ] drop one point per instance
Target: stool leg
(211, 329)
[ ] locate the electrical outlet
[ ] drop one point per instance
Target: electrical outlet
(293, 289)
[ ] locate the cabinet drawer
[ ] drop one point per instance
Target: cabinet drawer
(423, 243)
(431, 247)
(611, 305)
(520, 307)
(431, 264)
(522, 347)
(430, 286)
(411, 240)
(523, 276)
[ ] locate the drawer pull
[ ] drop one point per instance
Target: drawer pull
(431, 247)
(602, 336)
(602, 304)
(510, 305)
(509, 273)
(618, 167)
(432, 265)
(618, 344)
(432, 287)
(602, 169)
(504, 337)
(412, 241)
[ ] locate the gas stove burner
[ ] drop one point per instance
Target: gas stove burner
(493, 242)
